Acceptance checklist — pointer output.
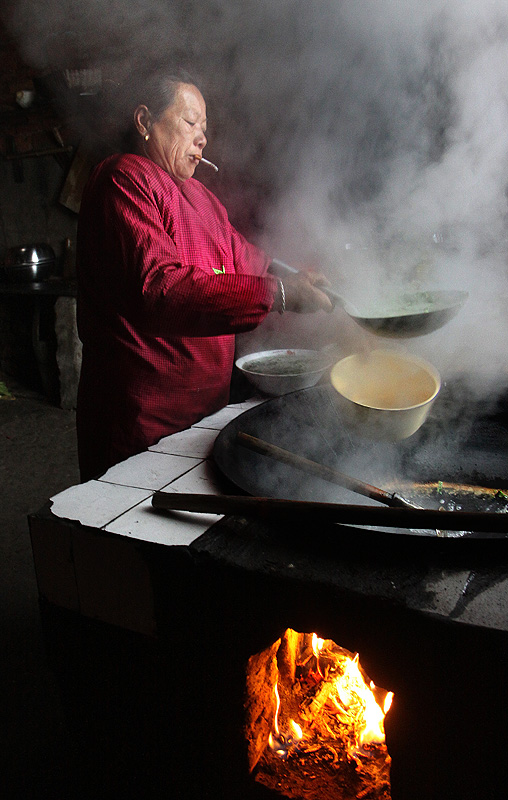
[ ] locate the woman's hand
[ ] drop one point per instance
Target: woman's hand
(303, 292)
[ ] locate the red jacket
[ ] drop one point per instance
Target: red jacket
(164, 283)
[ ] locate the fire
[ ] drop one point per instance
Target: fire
(314, 721)
(281, 744)
(277, 708)
(358, 701)
(336, 700)
(388, 702)
(317, 646)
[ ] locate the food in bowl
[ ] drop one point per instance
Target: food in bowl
(277, 372)
(385, 394)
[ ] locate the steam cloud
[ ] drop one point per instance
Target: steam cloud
(376, 124)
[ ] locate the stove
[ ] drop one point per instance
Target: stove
(151, 636)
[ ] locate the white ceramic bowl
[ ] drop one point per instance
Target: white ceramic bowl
(277, 372)
(384, 394)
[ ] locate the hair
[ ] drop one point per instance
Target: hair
(156, 90)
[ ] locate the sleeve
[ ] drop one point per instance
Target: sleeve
(165, 297)
(248, 258)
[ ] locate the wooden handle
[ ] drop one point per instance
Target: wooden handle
(312, 513)
(321, 471)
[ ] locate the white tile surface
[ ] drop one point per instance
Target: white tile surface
(250, 403)
(120, 500)
(220, 419)
(96, 503)
(149, 470)
(193, 442)
(161, 527)
(202, 479)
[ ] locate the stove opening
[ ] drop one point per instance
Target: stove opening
(314, 722)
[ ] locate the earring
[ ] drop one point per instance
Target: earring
(146, 137)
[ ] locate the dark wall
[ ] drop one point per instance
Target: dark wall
(36, 151)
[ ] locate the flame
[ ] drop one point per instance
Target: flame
(359, 700)
(281, 743)
(277, 709)
(317, 646)
(277, 747)
(337, 688)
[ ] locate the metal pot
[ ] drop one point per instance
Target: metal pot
(29, 263)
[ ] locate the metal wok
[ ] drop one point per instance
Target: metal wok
(431, 468)
(406, 315)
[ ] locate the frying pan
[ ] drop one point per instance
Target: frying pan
(440, 465)
(405, 316)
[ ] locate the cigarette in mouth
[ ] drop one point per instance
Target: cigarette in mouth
(209, 164)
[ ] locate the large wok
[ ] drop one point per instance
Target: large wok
(405, 315)
(449, 458)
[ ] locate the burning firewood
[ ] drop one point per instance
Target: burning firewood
(328, 725)
(313, 706)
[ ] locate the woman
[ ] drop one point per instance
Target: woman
(164, 283)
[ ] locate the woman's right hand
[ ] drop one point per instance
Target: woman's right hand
(303, 294)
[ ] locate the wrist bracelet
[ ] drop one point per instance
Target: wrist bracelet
(282, 297)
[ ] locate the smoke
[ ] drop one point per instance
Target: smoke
(375, 131)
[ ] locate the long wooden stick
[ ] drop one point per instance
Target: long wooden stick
(393, 499)
(312, 512)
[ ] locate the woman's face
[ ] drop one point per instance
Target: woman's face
(177, 138)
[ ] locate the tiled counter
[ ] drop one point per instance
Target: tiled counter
(92, 542)
(89, 543)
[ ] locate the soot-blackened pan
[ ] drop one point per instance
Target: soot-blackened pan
(456, 462)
